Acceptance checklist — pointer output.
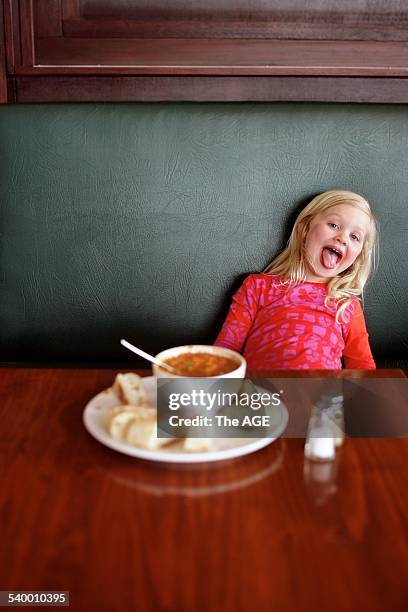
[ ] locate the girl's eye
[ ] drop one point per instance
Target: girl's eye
(333, 225)
(355, 237)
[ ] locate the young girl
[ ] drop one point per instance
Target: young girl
(303, 312)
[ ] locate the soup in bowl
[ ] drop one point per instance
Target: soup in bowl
(197, 368)
(201, 361)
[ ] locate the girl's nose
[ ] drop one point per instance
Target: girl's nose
(342, 237)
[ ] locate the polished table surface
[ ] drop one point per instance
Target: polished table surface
(268, 531)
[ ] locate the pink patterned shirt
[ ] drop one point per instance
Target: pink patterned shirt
(276, 327)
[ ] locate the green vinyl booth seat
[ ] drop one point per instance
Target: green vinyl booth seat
(141, 220)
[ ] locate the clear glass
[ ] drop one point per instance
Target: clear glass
(326, 429)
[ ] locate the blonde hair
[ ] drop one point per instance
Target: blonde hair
(349, 284)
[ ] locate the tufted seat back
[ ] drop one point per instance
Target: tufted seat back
(141, 220)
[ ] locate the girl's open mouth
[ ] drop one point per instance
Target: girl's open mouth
(330, 257)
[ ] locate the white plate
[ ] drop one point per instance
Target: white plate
(224, 448)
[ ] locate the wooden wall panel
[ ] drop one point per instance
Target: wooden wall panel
(47, 18)
(312, 9)
(197, 27)
(217, 49)
(346, 20)
(70, 9)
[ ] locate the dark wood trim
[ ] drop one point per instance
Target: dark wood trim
(27, 32)
(3, 74)
(324, 26)
(12, 34)
(219, 57)
(207, 88)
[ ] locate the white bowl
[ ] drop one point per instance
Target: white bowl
(189, 385)
(239, 372)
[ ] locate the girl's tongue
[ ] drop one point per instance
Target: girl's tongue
(329, 259)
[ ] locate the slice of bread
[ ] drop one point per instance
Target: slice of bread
(136, 425)
(129, 389)
(118, 419)
(142, 430)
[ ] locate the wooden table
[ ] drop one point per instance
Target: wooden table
(269, 531)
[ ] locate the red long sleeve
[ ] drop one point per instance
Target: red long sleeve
(357, 353)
